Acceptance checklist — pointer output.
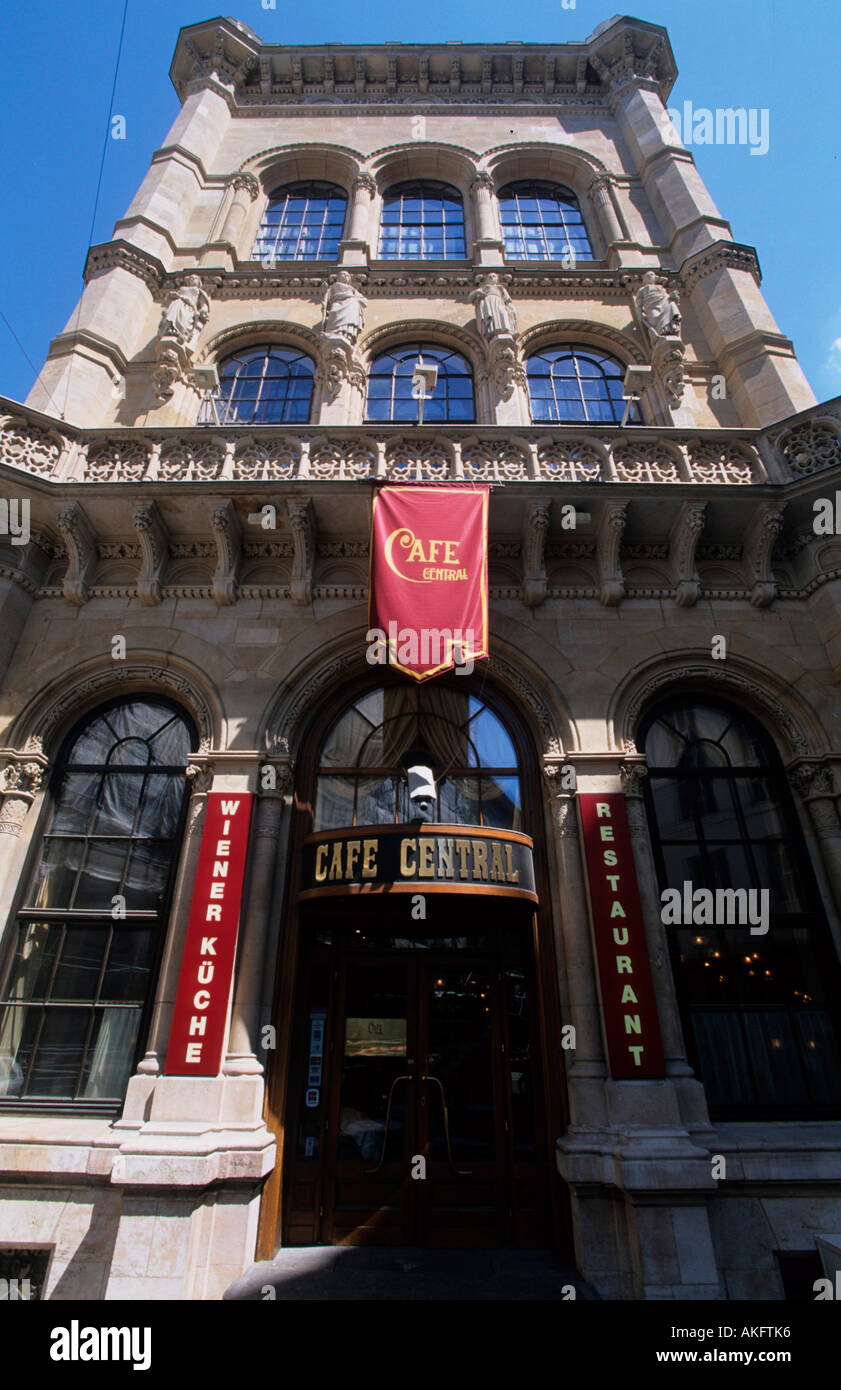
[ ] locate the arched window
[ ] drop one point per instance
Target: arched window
(264, 385)
(390, 385)
(760, 1010)
(89, 933)
(365, 756)
(302, 222)
(542, 222)
(573, 383)
(422, 221)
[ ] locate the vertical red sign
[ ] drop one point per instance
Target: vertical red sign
(204, 985)
(429, 576)
(632, 1029)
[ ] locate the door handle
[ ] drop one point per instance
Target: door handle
(369, 1172)
(462, 1172)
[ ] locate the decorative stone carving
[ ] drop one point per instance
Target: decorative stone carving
(658, 311)
(534, 533)
(683, 542)
(246, 183)
(21, 783)
(505, 369)
(611, 528)
(120, 677)
(200, 776)
(228, 535)
(81, 552)
(303, 534)
(763, 531)
(811, 446)
(25, 445)
(154, 548)
(744, 690)
(185, 315)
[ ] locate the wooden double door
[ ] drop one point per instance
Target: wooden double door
(415, 1115)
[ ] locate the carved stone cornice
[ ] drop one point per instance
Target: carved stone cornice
(684, 536)
(80, 540)
(722, 255)
(124, 255)
(761, 536)
(608, 541)
(533, 542)
(301, 521)
(228, 535)
(154, 549)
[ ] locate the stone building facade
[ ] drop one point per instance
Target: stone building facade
(198, 459)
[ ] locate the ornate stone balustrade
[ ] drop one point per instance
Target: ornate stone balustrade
(51, 450)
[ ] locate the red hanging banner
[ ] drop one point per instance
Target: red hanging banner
(632, 1029)
(207, 966)
(428, 609)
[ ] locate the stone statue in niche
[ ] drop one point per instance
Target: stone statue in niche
(186, 313)
(343, 309)
(658, 309)
(659, 314)
(495, 312)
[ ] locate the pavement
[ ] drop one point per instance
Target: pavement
(341, 1272)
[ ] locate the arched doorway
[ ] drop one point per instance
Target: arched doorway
(418, 1090)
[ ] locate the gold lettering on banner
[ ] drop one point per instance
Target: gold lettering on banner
(445, 858)
(497, 866)
(369, 858)
(406, 868)
(426, 856)
(336, 861)
(513, 875)
(480, 860)
(462, 850)
(353, 850)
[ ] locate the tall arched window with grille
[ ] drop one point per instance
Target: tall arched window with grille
(390, 385)
(542, 221)
(422, 221)
(79, 984)
(265, 385)
(760, 1010)
(572, 383)
(302, 222)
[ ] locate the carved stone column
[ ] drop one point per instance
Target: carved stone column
(631, 774)
(815, 784)
(488, 247)
(584, 1013)
(246, 190)
(608, 218)
(244, 1050)
(354, 248)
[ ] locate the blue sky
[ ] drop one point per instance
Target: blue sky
(772, 54)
